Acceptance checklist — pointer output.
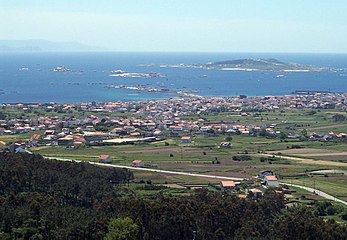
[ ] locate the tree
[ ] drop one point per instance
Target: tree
(304, 133)
(121, 229)
(229, 138)
(339, 118)
(283, 135)
(2, 116)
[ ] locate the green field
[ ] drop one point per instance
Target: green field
(203, 155)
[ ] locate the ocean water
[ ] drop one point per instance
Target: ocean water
(41, 84)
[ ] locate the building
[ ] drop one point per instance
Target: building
(255, 193)
(17, 148)
(265, 173)
(2, 145)
(225, 145)
(137, 163)
(271, 181)
(105, 159)
(65, 141)
(186, 139)
(157, 133)
(227, 185)
(35, 139)
(49, 132)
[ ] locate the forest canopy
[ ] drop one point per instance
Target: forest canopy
(49, 199)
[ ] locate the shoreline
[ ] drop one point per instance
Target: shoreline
(186, 94)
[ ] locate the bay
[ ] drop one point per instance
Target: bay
(90, 74)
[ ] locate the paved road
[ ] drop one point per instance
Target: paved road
(153, 170)
(320, 193)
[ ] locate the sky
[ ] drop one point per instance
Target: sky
(308, 26)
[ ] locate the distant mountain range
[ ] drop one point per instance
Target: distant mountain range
(43, 46)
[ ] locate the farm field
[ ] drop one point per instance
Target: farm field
(291, 158)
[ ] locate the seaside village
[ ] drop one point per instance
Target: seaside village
(157, 120)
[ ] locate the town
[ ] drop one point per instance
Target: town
(196, 134)
(154, 120)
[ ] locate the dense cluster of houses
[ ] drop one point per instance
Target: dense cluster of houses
(154, 119)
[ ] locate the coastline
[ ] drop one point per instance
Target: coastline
(190, 96)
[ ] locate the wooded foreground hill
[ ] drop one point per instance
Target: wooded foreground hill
(47, 199)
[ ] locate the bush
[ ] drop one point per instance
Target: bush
(339, 118)
(242, 158)
(229, 138)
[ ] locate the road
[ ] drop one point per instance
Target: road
(153, 170)
(320, 193)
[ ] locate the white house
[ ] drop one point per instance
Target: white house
(271, 181)
(265, 173)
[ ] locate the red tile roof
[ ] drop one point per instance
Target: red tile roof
(104, 157)
(136, 161)
(228, 183)
(271, 178)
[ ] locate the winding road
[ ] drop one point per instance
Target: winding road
(152, 170)
(315, 191)
(320, 193)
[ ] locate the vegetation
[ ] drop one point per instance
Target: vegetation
(121, 229)
(46, 199)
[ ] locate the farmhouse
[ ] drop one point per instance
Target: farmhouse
(2, 144)
(35, 139)
(265, 173)
(137, 163)
(227, 185)
(271, 181)
(105, 159)
(186, 139)
(157, 133)
(255, 193)
(65, 141)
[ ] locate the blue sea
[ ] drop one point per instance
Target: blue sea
(90, 73)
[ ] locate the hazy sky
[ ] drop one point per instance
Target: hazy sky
(182, 25)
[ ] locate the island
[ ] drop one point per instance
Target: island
(121, 73)
(261, 64)
(61, 69)
(142, 88)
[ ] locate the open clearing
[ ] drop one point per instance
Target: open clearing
(318, 154)
(307, 160)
